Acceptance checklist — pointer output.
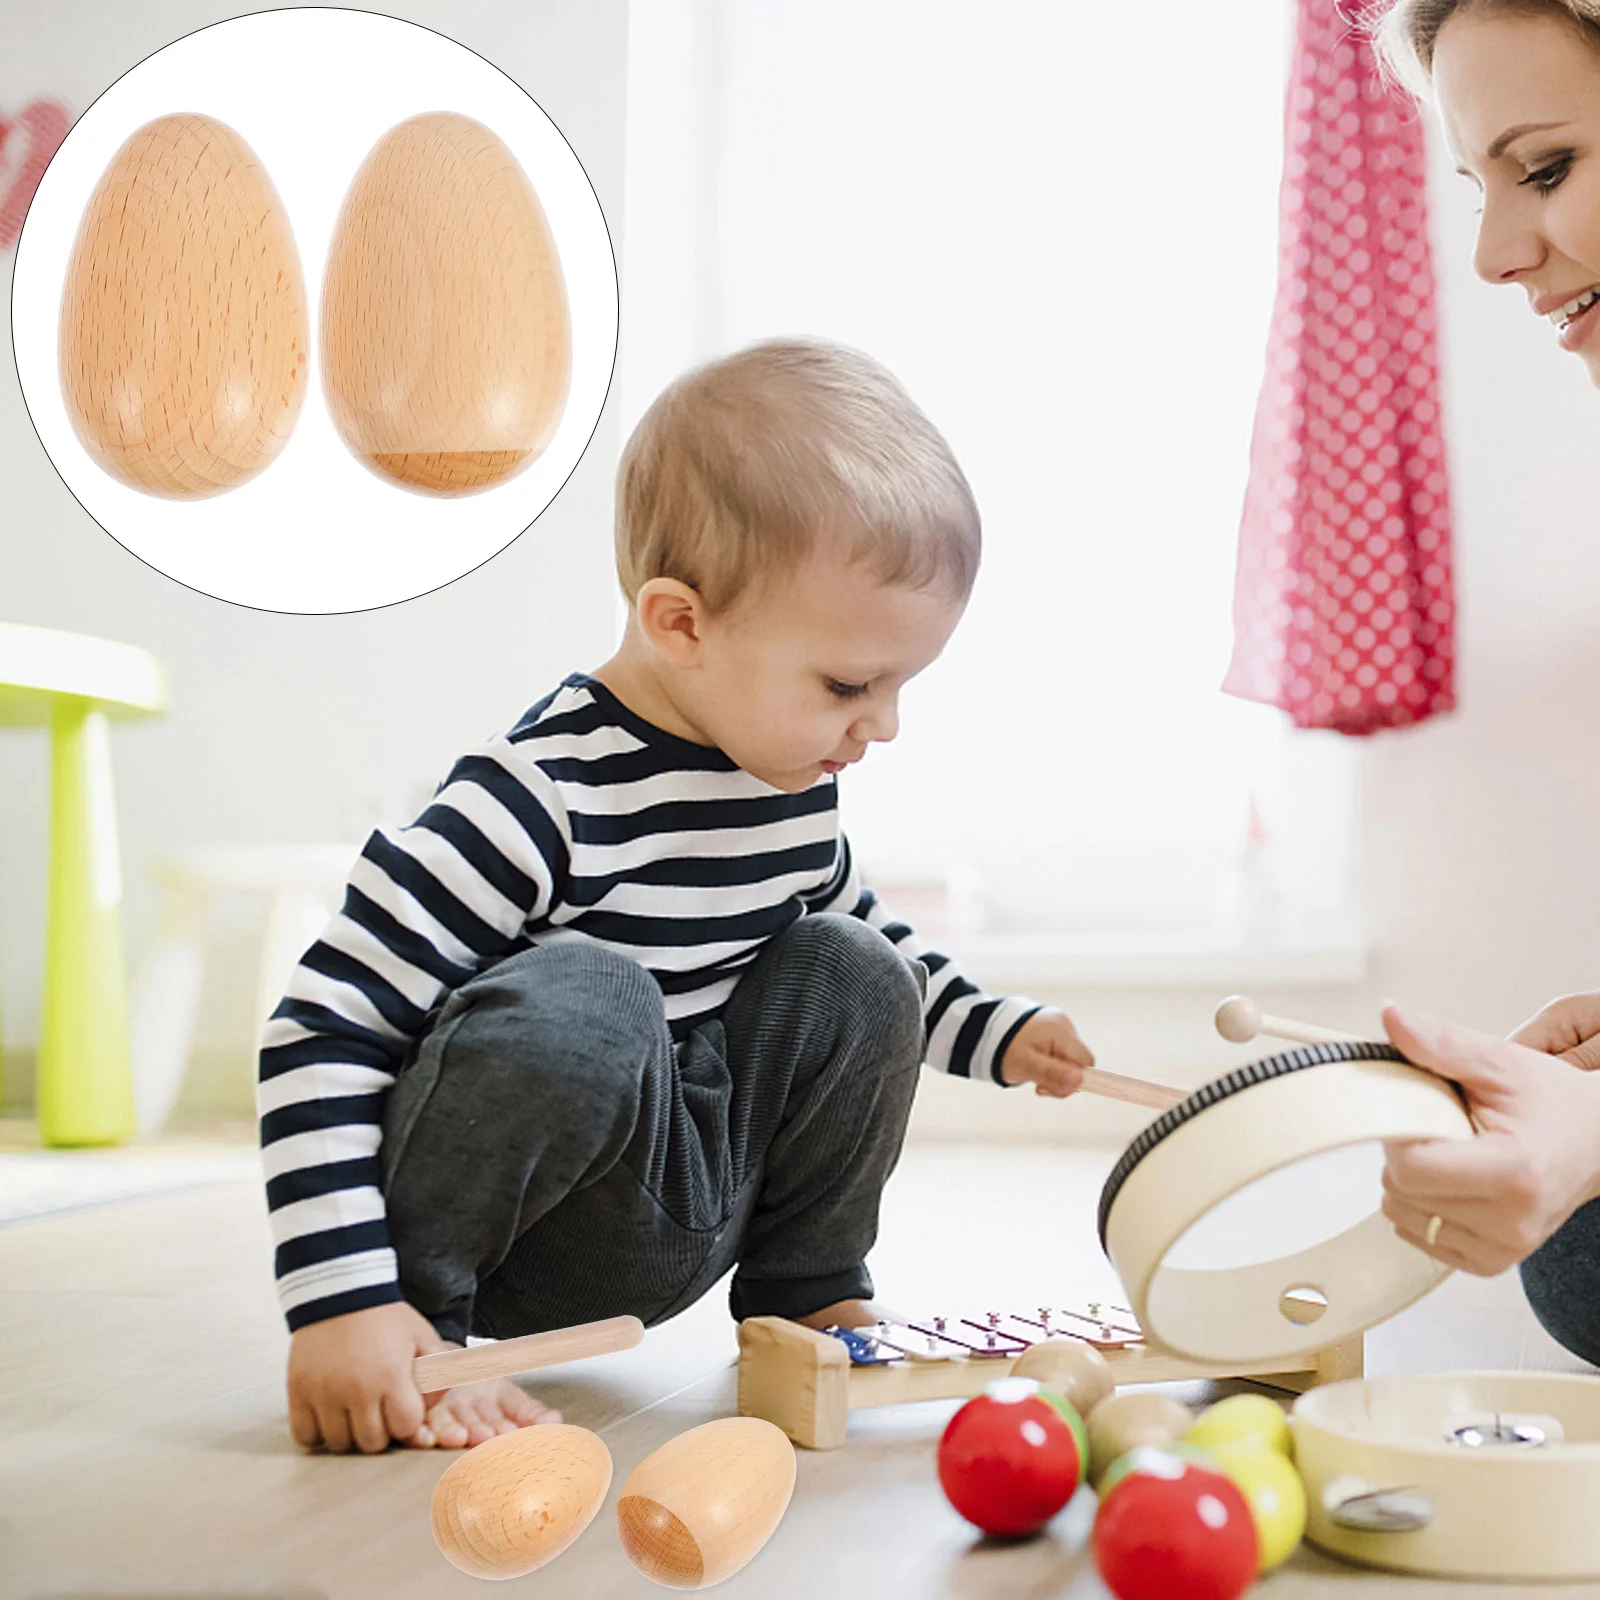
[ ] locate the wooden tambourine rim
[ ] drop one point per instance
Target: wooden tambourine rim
(1493, 1514)
(1223, 1088)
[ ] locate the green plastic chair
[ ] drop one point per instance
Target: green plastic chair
(75, 686)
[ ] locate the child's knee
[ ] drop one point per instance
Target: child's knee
(876, 987)
(557, 1023)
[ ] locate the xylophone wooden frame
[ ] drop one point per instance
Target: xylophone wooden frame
(805, 1382)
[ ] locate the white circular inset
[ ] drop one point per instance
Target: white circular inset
(315, 531)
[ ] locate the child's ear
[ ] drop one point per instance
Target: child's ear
(672, 617)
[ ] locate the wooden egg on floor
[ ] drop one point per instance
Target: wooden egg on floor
(446, 338)
(1122, 1422)
(517, 1501)
(1076, 1371)
(183, 337)
(695, 1511)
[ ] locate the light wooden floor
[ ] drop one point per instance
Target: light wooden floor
(144, 1451)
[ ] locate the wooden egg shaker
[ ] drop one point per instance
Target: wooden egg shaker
(695, 1511)
(1123, 1421)
(183, 336)
(1076, 1371)
(518, 1500)
(446, 337)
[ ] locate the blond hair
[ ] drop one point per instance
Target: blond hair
(1404, 32)
(743, 465)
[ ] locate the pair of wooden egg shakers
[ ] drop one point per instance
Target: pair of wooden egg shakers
(691, 1514)
(445, 339)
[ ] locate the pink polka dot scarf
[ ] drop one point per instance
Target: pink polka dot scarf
(1343, 604)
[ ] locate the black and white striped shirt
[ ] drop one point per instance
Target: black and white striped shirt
(583, 822)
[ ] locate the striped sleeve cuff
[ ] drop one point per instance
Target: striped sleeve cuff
(972, 1033)
(332, 1288)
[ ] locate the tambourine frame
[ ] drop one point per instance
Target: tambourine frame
(1236, 1130)
(1469, 1475)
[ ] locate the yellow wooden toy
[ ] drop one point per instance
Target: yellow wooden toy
(695, 1511)
(183, 338)
(446, 338)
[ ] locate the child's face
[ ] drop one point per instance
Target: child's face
(797, 679)
(1519, 94)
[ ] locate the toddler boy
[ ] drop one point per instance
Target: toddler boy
(616, 1013)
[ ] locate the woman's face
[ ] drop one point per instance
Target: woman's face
(1519, 94)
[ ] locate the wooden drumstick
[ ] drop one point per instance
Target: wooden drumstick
(1135, 1091)
(444, 1369)
(1240, 1019)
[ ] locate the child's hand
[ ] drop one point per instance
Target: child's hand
(1047, 1052)
(351, 1387)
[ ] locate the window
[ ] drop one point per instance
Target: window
(1057, 225)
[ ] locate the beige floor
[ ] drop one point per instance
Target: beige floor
(143, 1448)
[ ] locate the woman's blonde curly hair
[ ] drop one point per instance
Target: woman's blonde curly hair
(1404, 32)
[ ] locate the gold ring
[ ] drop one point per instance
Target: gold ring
(1431, 1233)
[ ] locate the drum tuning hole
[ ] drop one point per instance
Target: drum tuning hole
(1302, 1304)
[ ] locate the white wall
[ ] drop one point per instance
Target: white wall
(288, 727)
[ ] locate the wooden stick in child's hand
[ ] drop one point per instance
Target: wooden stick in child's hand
(1136, 1091)
(446, 1368)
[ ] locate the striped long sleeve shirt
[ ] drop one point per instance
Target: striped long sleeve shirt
(584, 822)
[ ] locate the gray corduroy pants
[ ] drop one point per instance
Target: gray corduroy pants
(549, 1158)
(1562, 1280)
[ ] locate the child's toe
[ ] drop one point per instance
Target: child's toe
(448, 1431)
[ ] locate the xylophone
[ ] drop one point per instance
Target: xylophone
(808, 1382)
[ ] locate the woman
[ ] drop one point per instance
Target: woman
(1517, 87)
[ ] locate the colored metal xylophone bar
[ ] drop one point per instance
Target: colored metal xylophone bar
(808, 1382)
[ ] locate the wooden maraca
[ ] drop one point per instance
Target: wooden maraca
(695, 1511)
(517, 1501)
(183, 342)
(446, 334)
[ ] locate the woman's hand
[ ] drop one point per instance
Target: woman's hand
(1535, 1160)
(1569, 1028)
(1047, 1052)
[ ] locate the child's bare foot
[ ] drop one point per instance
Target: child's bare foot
(473, 1413)
(844, 1314)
